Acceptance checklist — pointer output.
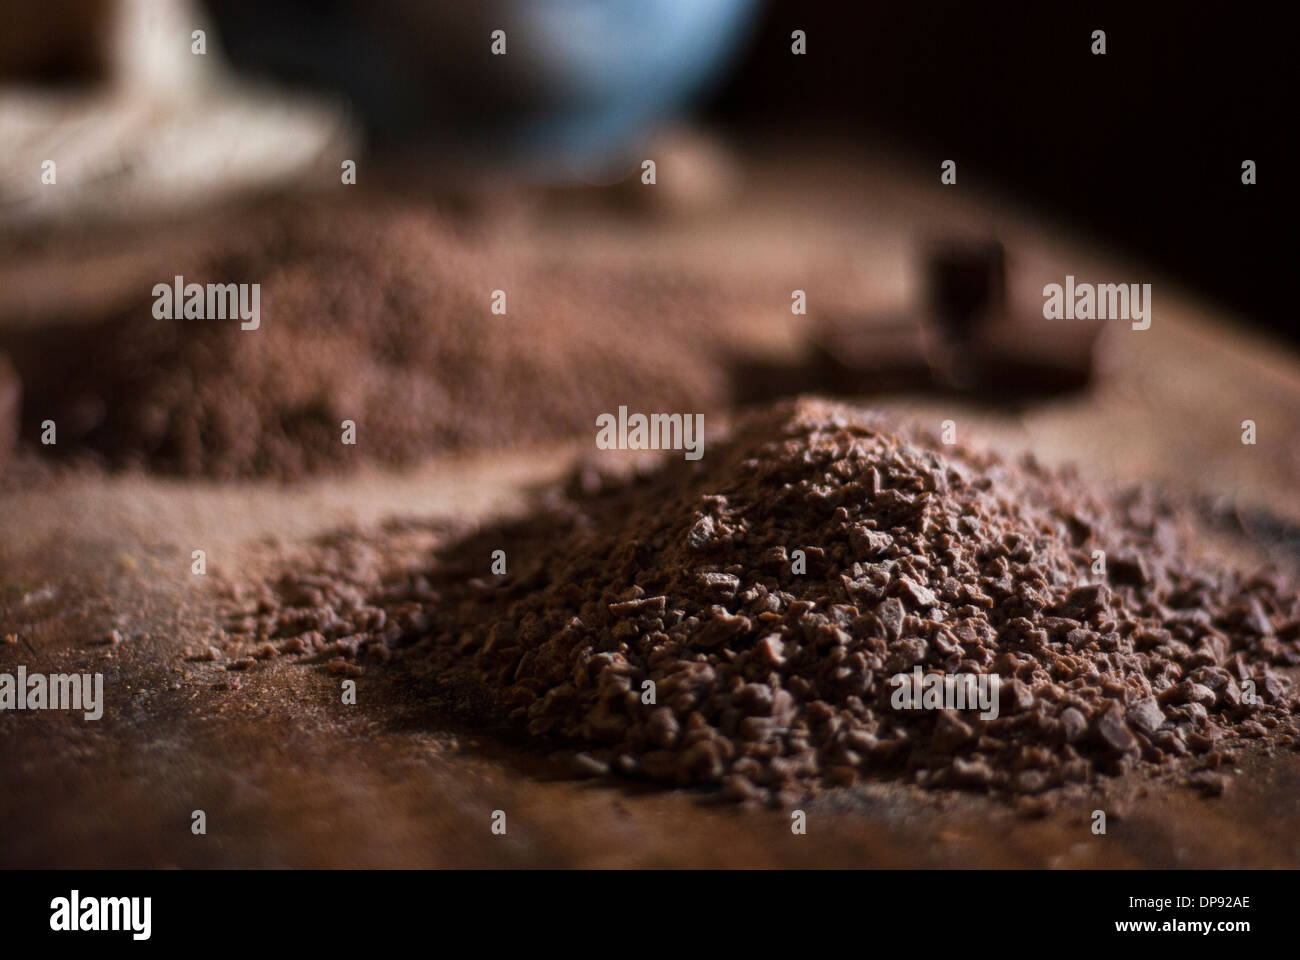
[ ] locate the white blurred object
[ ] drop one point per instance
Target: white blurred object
(171, 129)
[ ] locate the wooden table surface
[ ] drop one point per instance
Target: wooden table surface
(289, 776)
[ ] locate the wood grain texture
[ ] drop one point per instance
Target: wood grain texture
(288, 776)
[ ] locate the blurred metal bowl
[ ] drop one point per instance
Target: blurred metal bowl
(579, 77)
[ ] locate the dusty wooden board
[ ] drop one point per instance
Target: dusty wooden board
(288, 775)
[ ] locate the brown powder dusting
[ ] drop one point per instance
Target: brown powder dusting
(10, 403)
(768, 682)
(379, 316)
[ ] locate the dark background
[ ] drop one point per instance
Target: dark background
(1141, 149)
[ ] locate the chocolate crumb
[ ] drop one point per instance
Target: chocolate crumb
(655, 621)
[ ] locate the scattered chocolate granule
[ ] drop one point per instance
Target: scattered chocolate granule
(381, 316)
(768, 682)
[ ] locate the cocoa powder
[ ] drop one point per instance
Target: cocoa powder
(770, 682)
(380, 315)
